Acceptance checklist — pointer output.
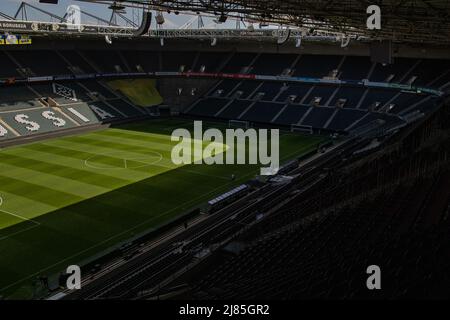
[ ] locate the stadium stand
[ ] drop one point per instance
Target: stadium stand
(269, 102)
(391, 208)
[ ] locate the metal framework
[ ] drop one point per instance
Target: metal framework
(419, 21)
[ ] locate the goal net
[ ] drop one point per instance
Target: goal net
(301, 128)
(238, 124)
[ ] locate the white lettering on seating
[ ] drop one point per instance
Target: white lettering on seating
(50, 115)
(79, 115)
(101, 113)
(3, 131)
(31, 125)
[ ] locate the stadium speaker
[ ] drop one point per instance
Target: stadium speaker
(145, 25)
(381, 52)
(159, 19)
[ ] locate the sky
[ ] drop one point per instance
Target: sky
(172, 21)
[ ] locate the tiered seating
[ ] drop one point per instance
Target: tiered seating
(8, 69)
(62, 93)
(355, 68)
(247, 87)
(147, 60)
(127, 109)
(42, 62)
(427, 71)
(352, 95)
(208, 107)
(344, 118)
(377, 96)
(94, 87)
(234, 110)
(108, 61)
(174, 61)
(270, 90)
(272, 64)
(226, 86)
(238, 62)
(298, 90)
(318, 117)
(17, 98)
(33, 121)
(404, 101)
(292, 114)
(316, 66)
(392, 72)
(211, 61)
(321, 93)
(262, 112)
(81, 66)
(319, 245)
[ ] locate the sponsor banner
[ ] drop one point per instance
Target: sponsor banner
(307, 80)
(85, 76)
(40, 79)
(236, 76)
(64, 77)
(25, 40)
(13, 39)
(364, 83)
(216, 75)
(168, 74)
(352, 82)
(11, 25)
(30, 26)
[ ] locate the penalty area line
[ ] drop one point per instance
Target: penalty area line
(35, 223)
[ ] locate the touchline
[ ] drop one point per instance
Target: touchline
(194, 150)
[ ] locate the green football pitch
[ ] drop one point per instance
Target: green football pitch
(66, 199)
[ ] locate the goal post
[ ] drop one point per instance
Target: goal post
(238, 124)
(301, 128)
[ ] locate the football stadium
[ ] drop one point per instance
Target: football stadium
(224, 150)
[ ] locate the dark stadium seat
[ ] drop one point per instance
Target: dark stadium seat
(298, 90)
(316, 66)
(174, 61)
(270, 90)
(344, 118)
(292, 114)
(352, 96)
(262, 112)
(238, 61)
(323, 93)
(355, 68)
(9, 68)
(235, 109)
(377, 95)
(49, 62)
(107, 61)
(147, 60)
(211, 61)
(392, 72)
(80, 65)
(208, 107)
(272, 64)
(318, 117)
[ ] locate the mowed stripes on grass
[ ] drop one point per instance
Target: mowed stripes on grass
(66, 199)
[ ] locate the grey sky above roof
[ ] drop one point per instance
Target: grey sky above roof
(101, 10)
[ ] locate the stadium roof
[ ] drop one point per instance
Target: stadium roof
(419, 21)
